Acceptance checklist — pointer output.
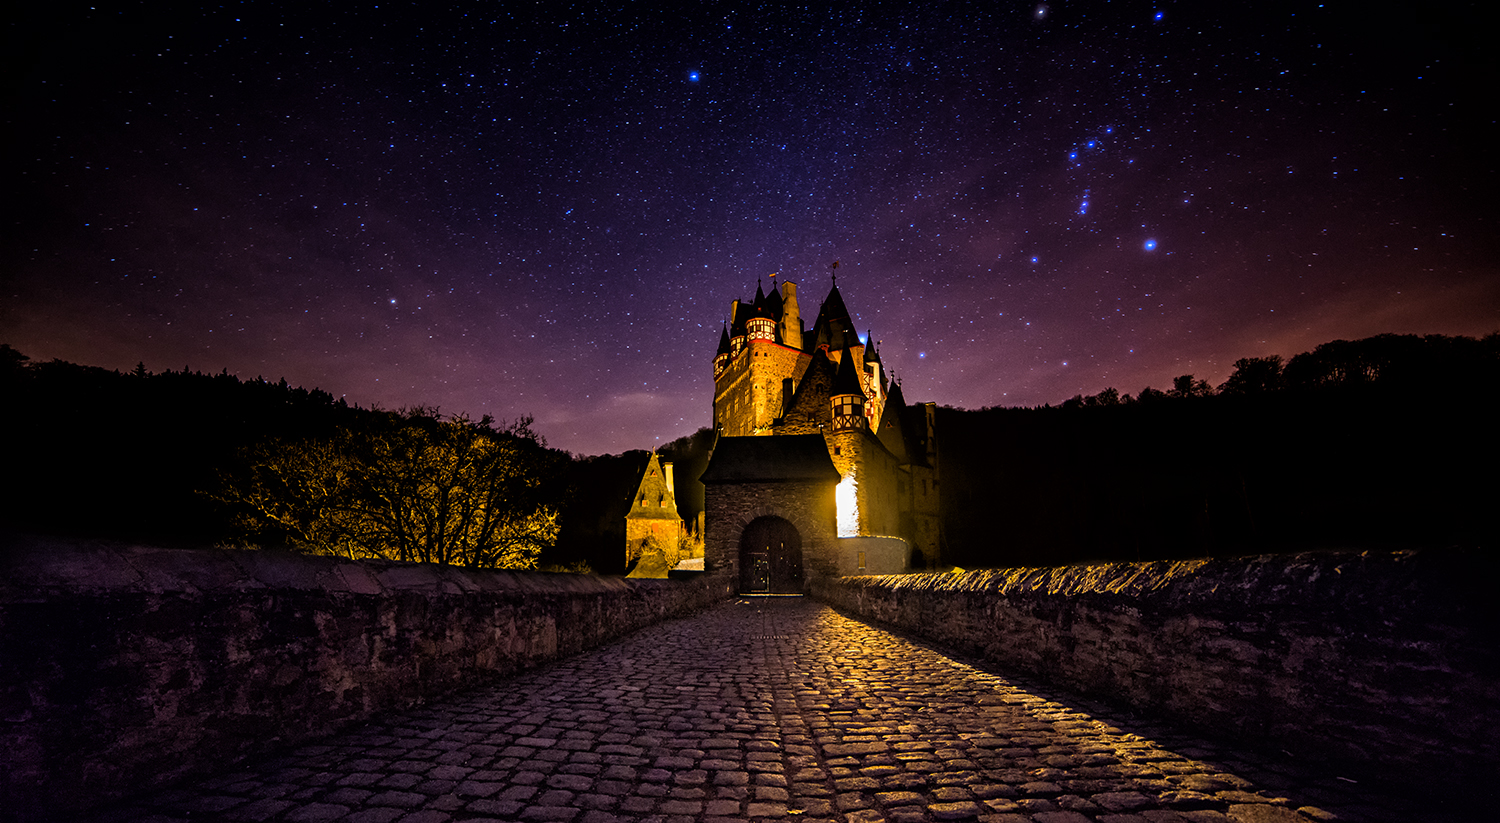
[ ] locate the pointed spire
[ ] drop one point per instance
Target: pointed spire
(847, 379)
(834, 328)
(723, 340)
(773, 302)
(737, 319)
(894, 399)
(871, 355)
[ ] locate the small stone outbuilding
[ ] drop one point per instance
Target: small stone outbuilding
(653, 528)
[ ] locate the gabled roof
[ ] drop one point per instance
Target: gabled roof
(653, 485)
(809, 410)
(792, 457)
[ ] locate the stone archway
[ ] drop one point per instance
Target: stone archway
(770, 557)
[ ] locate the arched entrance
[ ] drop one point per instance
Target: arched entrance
(771, 557)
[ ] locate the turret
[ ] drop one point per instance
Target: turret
(721, 358)
(847, 398)
(791, 317)
(760, 326)
(874, 382)
(737, 312)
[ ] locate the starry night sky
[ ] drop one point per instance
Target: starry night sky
(546, 209)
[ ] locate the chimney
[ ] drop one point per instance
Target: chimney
(666, 471)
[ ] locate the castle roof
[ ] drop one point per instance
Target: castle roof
(914, 425)
(833, 306)
(871, 356)
(773, 303)
(894, 398)
(792, 457)
(737, 322)
(834, 328)
(723, 341)
(892, 431)
(847, 379)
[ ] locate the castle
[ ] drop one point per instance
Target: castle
(820, 467)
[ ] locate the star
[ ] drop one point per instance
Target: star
(570, 234)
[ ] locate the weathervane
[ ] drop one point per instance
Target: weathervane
(834, 272)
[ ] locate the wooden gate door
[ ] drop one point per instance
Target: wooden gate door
(771, 557)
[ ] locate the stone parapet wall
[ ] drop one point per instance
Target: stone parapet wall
(127, 667)
(1373, 666)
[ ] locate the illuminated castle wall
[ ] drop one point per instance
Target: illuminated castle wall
(772, 376)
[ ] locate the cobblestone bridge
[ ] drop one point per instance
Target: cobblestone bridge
(776, 709)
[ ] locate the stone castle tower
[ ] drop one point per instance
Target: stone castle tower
(775, 378)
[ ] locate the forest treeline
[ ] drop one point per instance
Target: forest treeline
(1389, 441)
(1386, 442)
(192, 459)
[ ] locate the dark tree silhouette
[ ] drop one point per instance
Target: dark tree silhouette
(1185, 386)
(1377, 443)
(1254, 375)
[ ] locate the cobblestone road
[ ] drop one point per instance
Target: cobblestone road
(776, 709)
